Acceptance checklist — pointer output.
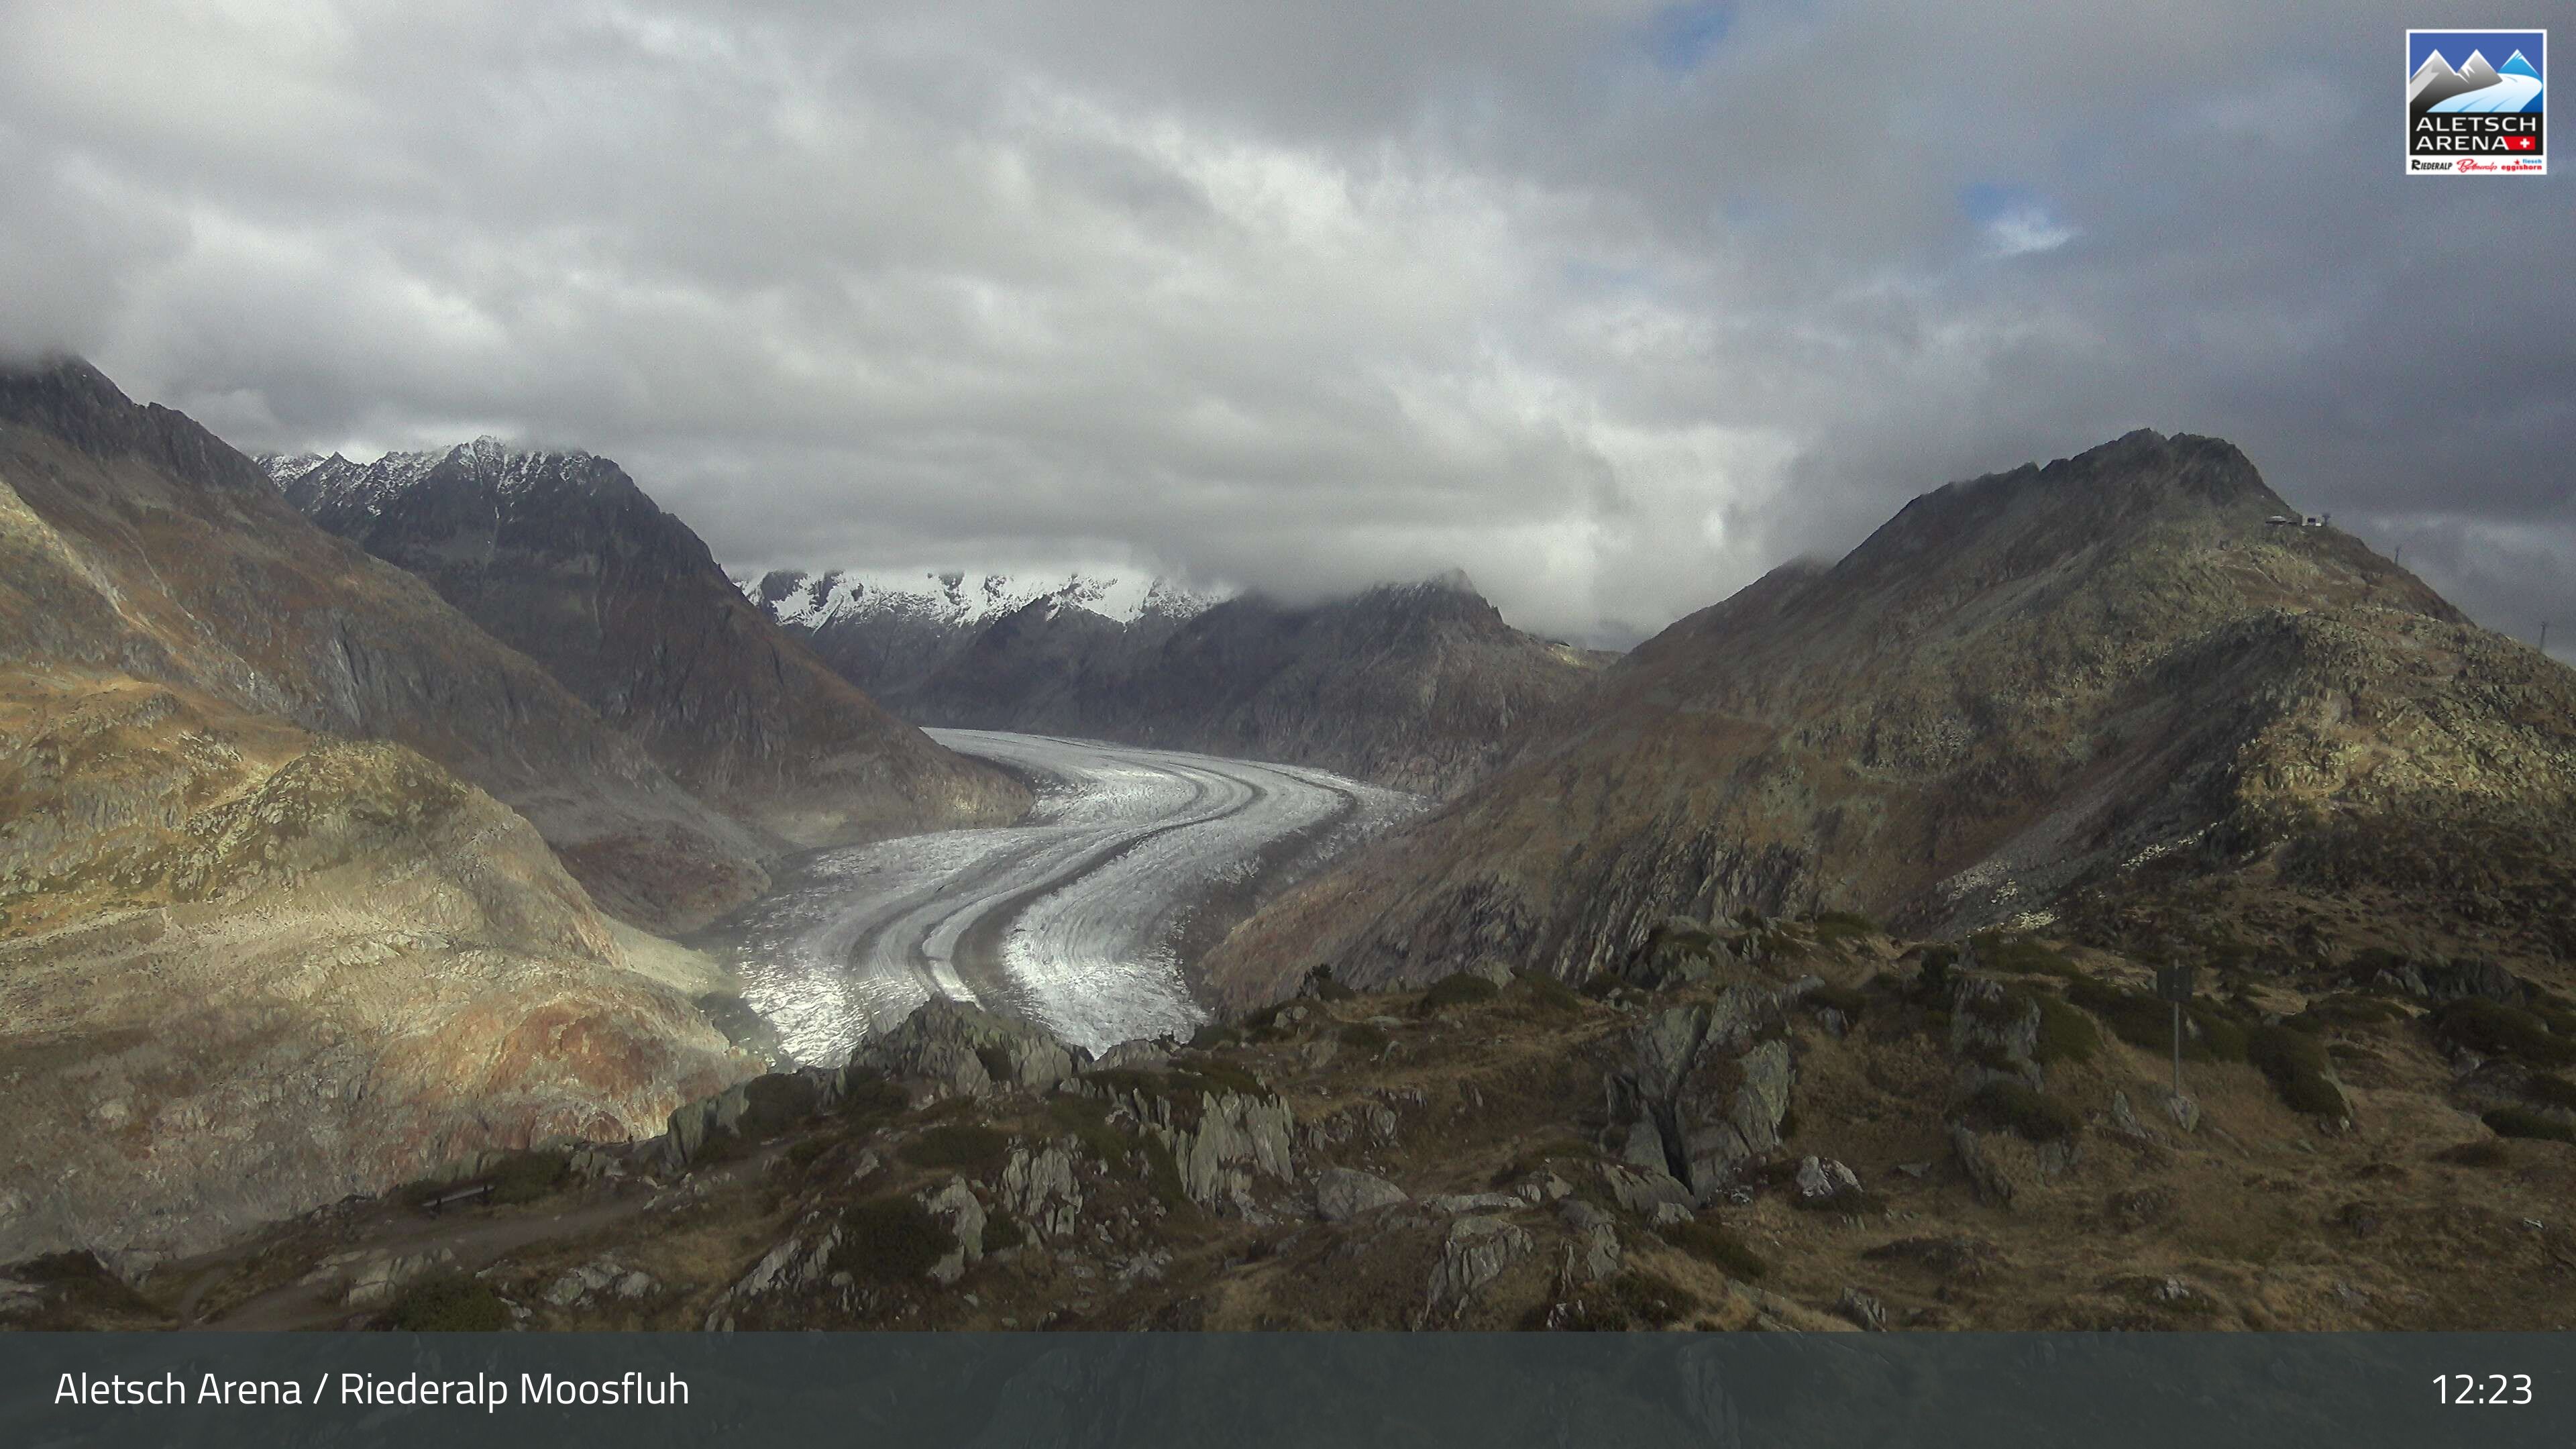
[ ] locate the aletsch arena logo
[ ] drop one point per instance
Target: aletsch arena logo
(2473, 102)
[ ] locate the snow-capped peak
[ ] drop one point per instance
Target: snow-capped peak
(958, 599)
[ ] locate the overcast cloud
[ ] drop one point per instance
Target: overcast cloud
(1613, 305)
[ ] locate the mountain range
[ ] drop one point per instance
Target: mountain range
(2100, 693)
(562, 557)
(1414, 686)
(1791, 970)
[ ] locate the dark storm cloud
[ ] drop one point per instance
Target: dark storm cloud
(1614, 305)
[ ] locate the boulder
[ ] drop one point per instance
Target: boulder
(956, 1207)
(1594, 1254)
(1488, 969)
(1642, 1190)
(1476, 1252)
(1342, 1194)
(1862, 1309)
(1822, 1179)
(1040, 1190)
(600, 1281)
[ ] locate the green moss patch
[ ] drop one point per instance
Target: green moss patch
(890, 1239)
(966, 1146)
(2524, 1122)
(2031, 1116)
(1836, 926)
(1717, 1244)
(1851, 1001)
(449, 1302)
(1001, 1231)
(1460, 989)
(1087, 1118)
(2550, 1090)
(524, 1177)
(2297, 1065)
(2065, 1034)
(2496, 1030)
(1549, 994)
(871, 1099)
(1360, 1036)
(2485, 1154)
(2019, 955)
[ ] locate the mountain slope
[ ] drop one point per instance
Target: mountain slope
(562, 557)
(247, 967)
(1412, 686)
(2019, 693)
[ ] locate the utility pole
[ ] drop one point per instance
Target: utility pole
(2544, 636)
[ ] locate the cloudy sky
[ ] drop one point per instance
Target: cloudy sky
(1614, 305)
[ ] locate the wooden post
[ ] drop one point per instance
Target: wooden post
(2174, 984)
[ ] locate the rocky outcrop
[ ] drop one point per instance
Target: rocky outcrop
(1696, 1095)
(1039, 1188)
(371, 1279)
(749, 1111)
(562, 557)
(956, 1208)
(1477, 1251)
(1224, 1140)
(955, 1050)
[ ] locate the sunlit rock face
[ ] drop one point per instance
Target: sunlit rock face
(252, 959)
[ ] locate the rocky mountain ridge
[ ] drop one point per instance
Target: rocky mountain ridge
(1414, 686)
(561, 556)
(175, 559)
(2071, 691)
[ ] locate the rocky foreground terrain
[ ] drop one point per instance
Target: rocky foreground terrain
(2112, 693)
(563, 558)
(1757, 1123)
(1415, 687)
